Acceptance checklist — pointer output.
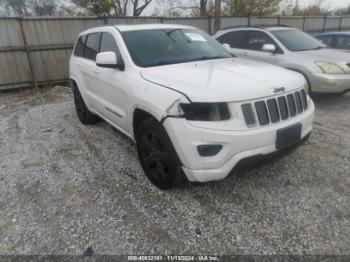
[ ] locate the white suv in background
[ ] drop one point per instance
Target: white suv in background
(193, 109)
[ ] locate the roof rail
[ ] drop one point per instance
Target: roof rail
(253, 26)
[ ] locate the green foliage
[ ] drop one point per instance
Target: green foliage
(95, 7)
(203, 8)
(33, 7)
(113, 7)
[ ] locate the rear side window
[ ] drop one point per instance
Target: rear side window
(79, 47)
(237, 39)
(92, 46)
(256, 40)
(108, 44)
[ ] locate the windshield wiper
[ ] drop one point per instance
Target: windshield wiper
(319, 48)
(164, 62)
(308, 49)
(202, 58)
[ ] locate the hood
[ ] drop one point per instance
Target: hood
(327, 55)
(224, 80)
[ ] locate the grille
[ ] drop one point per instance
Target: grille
(303, 97)
(282, 103)
(274, 110)
(291, 105)
(248, 114)
(298, 102)
(261, 112)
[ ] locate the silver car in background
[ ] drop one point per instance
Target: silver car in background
(326, 70)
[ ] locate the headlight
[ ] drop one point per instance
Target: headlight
(329, 68)
(206, 111)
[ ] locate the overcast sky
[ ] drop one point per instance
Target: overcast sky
(327, 3)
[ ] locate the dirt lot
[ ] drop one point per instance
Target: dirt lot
(65, 187)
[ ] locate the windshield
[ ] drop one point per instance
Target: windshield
(170, 46)
(296, 40)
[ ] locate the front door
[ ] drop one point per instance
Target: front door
(255, 42)
(112, 86)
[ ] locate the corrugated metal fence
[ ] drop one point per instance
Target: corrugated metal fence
(35, 50)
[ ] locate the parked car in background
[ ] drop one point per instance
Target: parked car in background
(190, 106)
(337, 40)
(326, 70)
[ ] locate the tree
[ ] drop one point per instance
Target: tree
(120, 7)
(16, 7)
(251, 7)
(115, 7)
(138, 9)
(44, 7)
(315, 9)
(204, 8)
(343, 11)
(167, 8)
(95, 7)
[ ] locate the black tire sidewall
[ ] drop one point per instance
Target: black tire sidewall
(151, 124)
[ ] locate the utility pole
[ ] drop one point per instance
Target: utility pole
(217, 19)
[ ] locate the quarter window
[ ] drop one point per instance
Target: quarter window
(92, 46)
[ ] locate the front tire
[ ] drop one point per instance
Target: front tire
(157, 155)
(84, 114)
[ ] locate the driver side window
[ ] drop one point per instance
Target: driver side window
(257, 39)
(109, 44)
(342, 42)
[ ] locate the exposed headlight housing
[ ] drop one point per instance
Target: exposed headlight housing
(329, 68)
(206, 111)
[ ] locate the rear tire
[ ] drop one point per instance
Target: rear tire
(84, 114)
(157, 155)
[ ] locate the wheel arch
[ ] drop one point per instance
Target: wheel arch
(73, 83)
(139, 115)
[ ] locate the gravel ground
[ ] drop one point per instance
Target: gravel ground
(65, 187)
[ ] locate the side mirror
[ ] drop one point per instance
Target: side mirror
(270, 48)
(108, 60)
(227, 47)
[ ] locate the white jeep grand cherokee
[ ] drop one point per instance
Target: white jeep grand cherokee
(193, 109)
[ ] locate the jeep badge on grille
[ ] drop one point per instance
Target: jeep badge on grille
(279, 90)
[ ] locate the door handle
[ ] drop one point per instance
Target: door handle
(96, 70)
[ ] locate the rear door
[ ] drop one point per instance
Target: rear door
(87, 66)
